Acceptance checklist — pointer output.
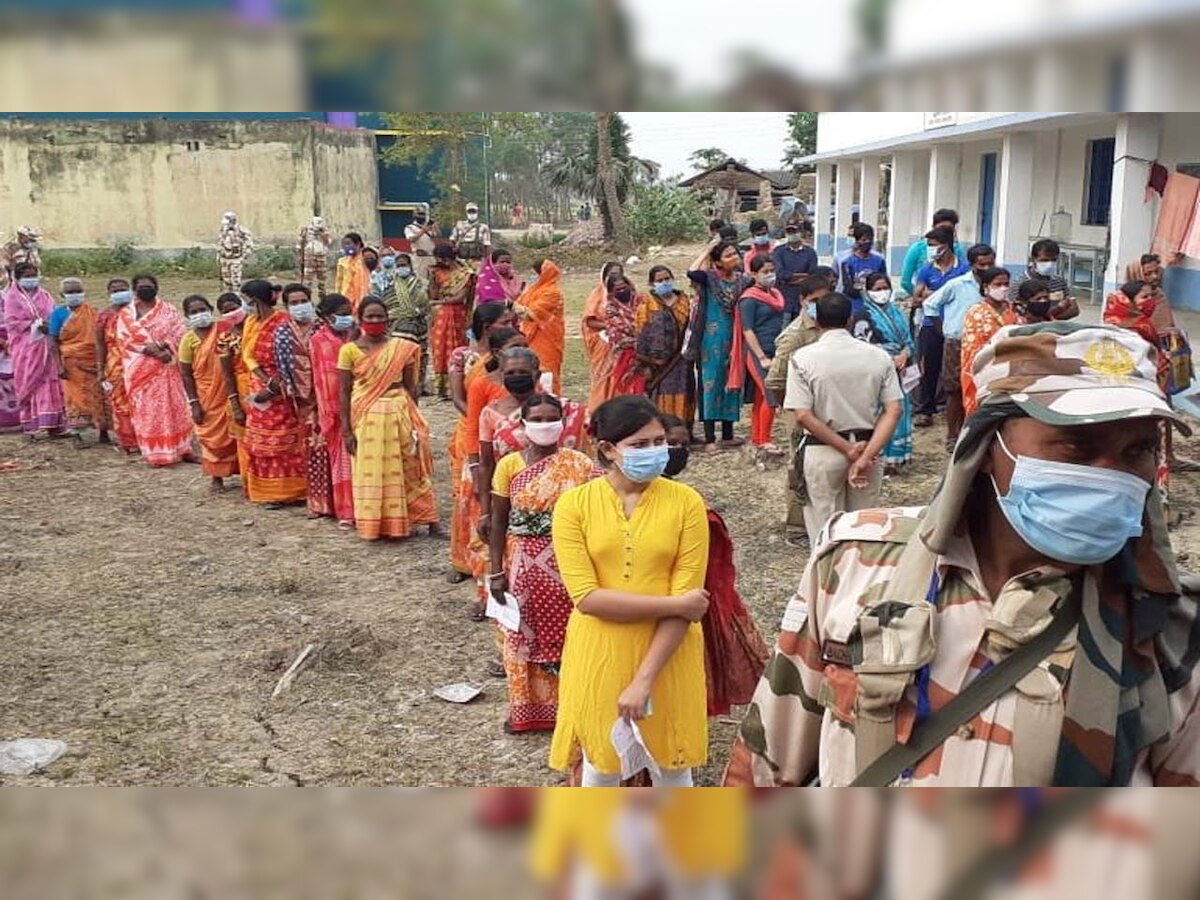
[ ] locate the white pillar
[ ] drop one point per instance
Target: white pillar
(845, 200)
(944, 162)
(822, 235)
(1014, 200)
(868, 201)
(1131, 219)
(901, 213)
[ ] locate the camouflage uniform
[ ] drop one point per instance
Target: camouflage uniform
(23, 249)
(312, 252)
(234, 244)
(801, 332)
(1129, 714)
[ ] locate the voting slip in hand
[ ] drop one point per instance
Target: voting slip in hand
(507, 614)
(627, 740)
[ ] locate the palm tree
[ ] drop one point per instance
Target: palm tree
(577, 169)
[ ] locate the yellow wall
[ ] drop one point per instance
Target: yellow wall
(95, 183)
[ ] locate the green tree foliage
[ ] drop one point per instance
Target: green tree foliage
(449, 146)
(802, 140)
(665, 214)
(577, 168)
(707, 157)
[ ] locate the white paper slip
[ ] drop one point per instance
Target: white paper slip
(627, 740)
(460, 692)
(794, 616)
(507, 614)
(910, 378)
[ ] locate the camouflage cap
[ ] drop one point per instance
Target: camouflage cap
(1063, 373)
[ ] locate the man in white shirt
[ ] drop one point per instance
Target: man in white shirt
(847, 397)
(421, 234)
(472, 239)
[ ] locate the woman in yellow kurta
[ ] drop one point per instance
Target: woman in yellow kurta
(634, 646)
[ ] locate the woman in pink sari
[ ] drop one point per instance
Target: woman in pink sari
(39, 396)
(337, 327)
(498, 283)
(148, 331)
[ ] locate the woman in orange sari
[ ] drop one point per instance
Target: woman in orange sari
(118, 411)
(388, 437)
(149, 331)
(236, 376)
(467, 364)
(73, 330)
(337, 327)
(595, 342)
(279, 402)
(353, 279)
(541, 311)
(451, 287)
(205, 388)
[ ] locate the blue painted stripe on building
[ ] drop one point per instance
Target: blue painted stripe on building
(824, 245)
(843, 243)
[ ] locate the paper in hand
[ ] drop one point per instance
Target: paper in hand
(507, 614)
(910, 378)
(627, 740)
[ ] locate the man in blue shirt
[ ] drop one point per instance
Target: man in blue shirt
(861, 262)
(794, 261)
(947, 307)
(916, 255)
(942, 264)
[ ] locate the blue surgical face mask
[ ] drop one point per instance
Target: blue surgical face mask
(761, 240)
(303, 312)
(664, 288)
(74, 300)
(349, 251)
(811, 309)
(1081, 515)
(1046, 267)
(249, 308)
(642, 464)
(201, 319)
(342, 323)
(767, 281)
(29, 284)
(120, 298)
(387, 262)
(403, 271)
(933, 252)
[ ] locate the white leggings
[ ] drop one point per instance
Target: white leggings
(670, 778)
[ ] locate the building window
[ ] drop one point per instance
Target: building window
(1097, 195)
(193, 146)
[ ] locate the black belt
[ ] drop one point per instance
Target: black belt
(852, 436)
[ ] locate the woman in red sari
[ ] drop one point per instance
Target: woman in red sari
(620, 319)
(1133, 307)
(119, 411)
(278, 407)
(451, 287)
(524, 490)
(148, 332)
(337, 327)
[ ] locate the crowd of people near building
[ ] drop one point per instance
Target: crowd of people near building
(622, 576)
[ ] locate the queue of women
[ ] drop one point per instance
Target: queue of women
(569, 510)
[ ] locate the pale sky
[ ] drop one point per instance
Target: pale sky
(669, 138)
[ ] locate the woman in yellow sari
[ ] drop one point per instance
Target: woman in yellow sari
(353, 280)
(388, 437)
(206, 392)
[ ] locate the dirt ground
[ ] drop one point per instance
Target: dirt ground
(145, 622)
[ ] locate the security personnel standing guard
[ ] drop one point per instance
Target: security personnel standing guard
(800, 332)
(837, 387)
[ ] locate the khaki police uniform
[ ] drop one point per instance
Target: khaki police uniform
(845, 382)
(800, 332)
